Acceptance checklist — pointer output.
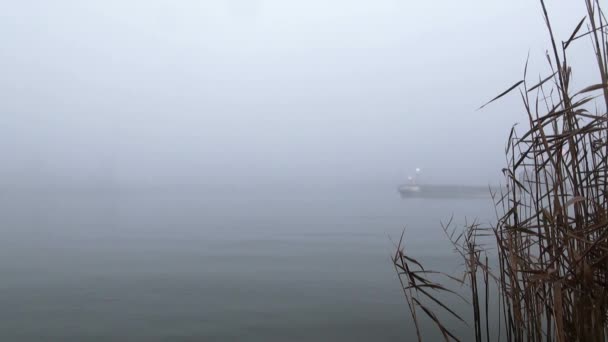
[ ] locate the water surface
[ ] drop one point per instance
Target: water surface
(215, 264)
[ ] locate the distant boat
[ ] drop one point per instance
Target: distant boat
(412, 189)
(445, 191)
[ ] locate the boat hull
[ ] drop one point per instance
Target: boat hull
(444, 191)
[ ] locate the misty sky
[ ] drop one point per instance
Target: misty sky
(263, 91)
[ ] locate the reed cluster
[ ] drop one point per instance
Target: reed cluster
(550, 267)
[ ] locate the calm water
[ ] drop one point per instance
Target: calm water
(222, 264)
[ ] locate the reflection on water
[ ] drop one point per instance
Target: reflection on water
(256, 265)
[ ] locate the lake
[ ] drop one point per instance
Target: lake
(222, 263)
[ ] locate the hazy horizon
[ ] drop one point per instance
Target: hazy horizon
(239, 92)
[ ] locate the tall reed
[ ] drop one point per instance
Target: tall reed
(551, 231)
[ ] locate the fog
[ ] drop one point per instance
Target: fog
(262, 91)
(228, 169)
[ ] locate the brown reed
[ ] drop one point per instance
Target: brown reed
(551, 231)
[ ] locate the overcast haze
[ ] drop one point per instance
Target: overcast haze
(229, 170)
(236, 92)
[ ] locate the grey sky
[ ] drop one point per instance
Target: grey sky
(263, 91)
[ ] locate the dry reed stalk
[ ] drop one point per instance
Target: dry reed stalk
(552, 220)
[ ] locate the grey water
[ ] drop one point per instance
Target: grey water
(224, 263)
